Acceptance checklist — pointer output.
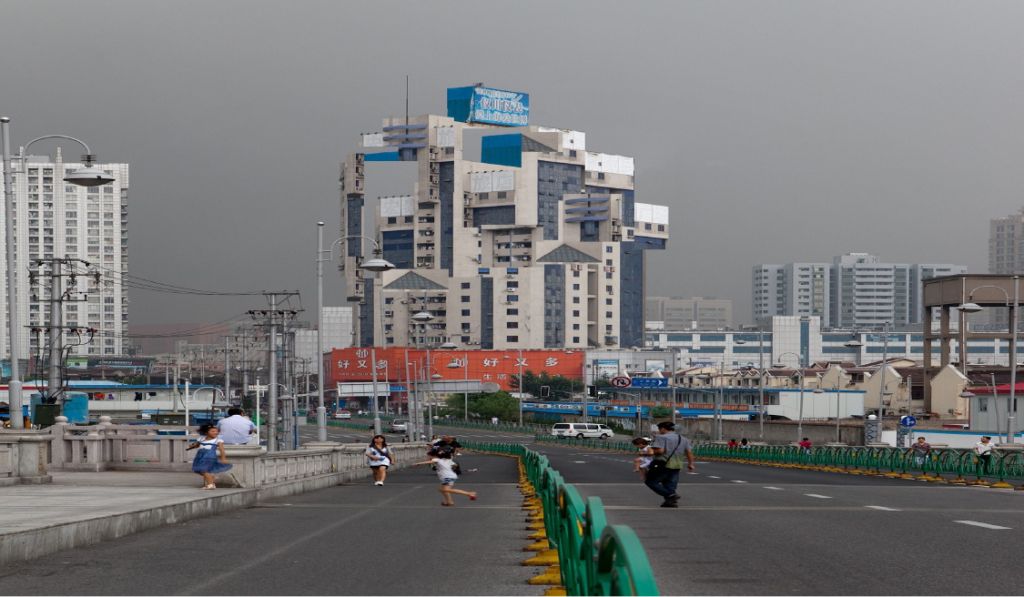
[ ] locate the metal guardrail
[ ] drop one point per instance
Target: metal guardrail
(941, 465)
(595, 558)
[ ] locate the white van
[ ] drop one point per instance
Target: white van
(582, 430)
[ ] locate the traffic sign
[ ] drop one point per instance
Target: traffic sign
(621, 381)
(649, 382)
(908, 421)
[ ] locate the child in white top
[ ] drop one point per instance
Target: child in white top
(441, 458)
(642, 462)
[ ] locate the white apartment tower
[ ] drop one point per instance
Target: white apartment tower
(855, 291)
(56, 219)
(540, 244)
(1006, 245)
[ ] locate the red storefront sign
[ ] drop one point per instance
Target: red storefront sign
(498, 366)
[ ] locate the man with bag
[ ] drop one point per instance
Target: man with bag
(668, 448)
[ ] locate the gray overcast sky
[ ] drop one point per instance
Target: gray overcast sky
(776, 131)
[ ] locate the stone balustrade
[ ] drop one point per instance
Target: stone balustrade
(23, 457)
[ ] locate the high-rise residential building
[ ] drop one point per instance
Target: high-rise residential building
(677, 313)
(855, 291)
(56, 219)
(791, 289)
(1006, 244)
(539, 244)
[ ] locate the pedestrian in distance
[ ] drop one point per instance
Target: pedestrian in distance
(921, 449)
(668, 449)
(642, 462)
(805, 445)
(442, 461)
(744, 444)
(733, 444)
(983, 449)
(381, 458)
(210, 459)
(236, 428)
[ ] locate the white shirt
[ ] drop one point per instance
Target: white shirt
(383, 452)
(235, 429)
(983, 449)
(444, 468)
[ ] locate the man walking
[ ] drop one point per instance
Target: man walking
(662, 476)
(235, 429)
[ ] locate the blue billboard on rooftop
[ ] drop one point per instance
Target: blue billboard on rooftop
(485, 105)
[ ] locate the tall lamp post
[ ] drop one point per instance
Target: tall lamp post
(760, 381)
(89, 176)
(373, 264)
(972, 307)
(454, 364)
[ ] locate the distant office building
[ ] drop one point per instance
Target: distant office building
(337, 333)
(677, 313)
(540, 244)
(855, 291)
(56, 219)
(1006, 245)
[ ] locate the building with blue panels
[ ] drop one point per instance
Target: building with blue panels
(539, 244)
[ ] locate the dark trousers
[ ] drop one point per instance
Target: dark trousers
(662, 481)
(985, 462)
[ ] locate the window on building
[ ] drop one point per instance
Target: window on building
(513, 298)
(465, 312)
(575, 286)
(512, 311)
(575, 300)
(575, 339)
(608, 314)
(465, 285)
(512, 338)
(575, 313)
(512, 284)
(575, 274)
(512, 325)
(608, 249)
(609, 262)
(575, 326)
(465, 298)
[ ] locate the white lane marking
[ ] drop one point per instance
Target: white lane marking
(984, 525)
(883, 508)
(692, 473)
(773, 488)
(819, 496)
(738, 481)
(713, 477)
(579, 461)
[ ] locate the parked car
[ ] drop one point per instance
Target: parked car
(398, 426)
(342, 414)
(582, 430)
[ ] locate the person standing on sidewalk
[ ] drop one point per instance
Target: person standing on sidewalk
(668, 448)
(921, 449)
(984, 451)
(381, 458)
(210, 460)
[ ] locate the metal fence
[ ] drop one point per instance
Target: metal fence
(594, 558)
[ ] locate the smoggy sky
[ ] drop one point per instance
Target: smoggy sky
(776, 131)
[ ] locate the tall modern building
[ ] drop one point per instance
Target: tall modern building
(855, 291)
(1006, 245)
(56, 219)
(677, 313)
(539, 244)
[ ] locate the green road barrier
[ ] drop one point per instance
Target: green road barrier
(594, 558)
(941, 465)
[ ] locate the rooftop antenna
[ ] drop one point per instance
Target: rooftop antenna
(406, 102)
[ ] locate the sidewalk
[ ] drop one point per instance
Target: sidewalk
(352, 539)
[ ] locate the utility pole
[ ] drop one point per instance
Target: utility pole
(274, 316)
(227, 368)
(56, 333)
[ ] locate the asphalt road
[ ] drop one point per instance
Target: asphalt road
(752, 530)
(346, 540)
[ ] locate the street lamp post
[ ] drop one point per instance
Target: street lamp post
(454, 364)
(374, 264)
(760, 382)
(89, 176)
(971, 307)
(522, 390)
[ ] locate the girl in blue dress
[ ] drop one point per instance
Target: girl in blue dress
(210, 460)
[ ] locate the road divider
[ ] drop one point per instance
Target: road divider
(571, 536)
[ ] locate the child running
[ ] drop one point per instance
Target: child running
(642, 462)
(210, 460)
(441, 458)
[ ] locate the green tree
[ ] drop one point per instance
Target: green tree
(561, 387)
(483, 406)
